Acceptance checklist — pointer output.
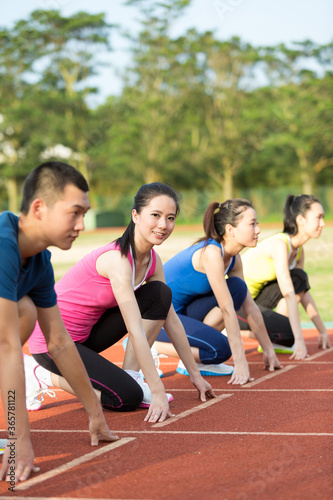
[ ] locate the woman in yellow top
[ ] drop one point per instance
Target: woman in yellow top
(274, 270)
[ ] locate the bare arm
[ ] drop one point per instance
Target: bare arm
(118, 270)
(12, 384)
(311, 310)
(213, 266)
(279, 252)
(175, 330)
(66, 357)
(256, 322)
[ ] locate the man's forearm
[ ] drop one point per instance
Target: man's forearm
(12, 384)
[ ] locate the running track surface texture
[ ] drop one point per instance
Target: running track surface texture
(270, 439)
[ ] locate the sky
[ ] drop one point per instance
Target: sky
(259, 22)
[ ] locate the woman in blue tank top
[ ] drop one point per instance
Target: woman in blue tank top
(208, 288)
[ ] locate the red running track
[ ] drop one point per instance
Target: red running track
(271, 439)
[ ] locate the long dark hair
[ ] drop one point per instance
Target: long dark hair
(218, 215)
(296, 205)
(142, 198)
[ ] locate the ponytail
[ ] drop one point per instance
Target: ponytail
(208, 221)
(126, 241)
(294, 206)
(218, 215)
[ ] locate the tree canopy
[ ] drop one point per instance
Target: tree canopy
(197, 112)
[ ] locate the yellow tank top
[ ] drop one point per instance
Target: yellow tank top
(259, 269)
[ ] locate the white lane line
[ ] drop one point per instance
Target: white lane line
(214, 432)
(319, 354)
(299, 361)
(244, 433)
(249, 345)
(185, 413)
(285, 390)
(274, 374)
(240, 389)
(191, 411)
(318, 362)
(69, 465)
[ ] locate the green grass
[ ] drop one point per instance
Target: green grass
(318, 258)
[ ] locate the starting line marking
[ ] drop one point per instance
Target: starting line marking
(48, 498)
(69, 465)
(276, 373)
(125, 440)
(243, 388)
(223, 396)
(244, 433)
(186, 413)
(300, 361)
(319, 354)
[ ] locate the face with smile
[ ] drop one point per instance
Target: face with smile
(313, 221)
(63, 220)
(156, 221)
(247, 231)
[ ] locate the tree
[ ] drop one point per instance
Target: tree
(302, 103)
(149, 111)
(47, 60)
(230, 68)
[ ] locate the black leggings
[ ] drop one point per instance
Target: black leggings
(119, 391)
(277, 326)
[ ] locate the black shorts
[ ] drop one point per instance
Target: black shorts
(270, 295)
(119, 391)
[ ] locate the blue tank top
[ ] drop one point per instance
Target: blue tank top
(185, 282)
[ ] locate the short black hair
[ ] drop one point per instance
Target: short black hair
(48, 181)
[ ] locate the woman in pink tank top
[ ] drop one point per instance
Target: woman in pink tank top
(118, 289)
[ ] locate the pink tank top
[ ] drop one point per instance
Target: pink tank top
(84, 295)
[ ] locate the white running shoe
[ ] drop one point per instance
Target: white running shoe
(145, 389)
(33, 387)
(208, 370)
(156, 357)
